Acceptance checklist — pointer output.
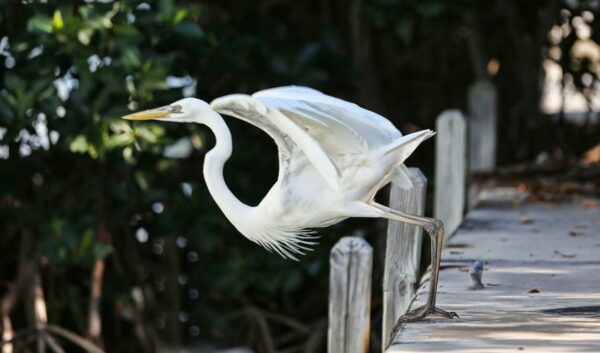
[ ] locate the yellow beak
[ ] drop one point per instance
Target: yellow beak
(158, 113)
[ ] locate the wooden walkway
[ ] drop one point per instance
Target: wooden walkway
(541, 276)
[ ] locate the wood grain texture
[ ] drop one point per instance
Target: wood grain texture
(542, 285)
(450, 165)
(351, 264)
(402, 253)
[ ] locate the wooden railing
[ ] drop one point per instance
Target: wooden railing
(352, 257)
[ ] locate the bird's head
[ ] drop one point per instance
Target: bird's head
(186, 110)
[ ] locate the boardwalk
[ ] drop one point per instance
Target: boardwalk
(542, 277)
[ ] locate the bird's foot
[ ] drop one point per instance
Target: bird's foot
(419, 314)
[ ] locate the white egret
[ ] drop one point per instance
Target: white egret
(333, 158)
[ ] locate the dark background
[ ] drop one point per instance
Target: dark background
(103, 228)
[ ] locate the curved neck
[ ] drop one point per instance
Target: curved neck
(214, 162)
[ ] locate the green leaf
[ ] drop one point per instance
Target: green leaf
(131, 57)
(404, 29)
(430, 8)
(41, 84)
(5, 112)
(189, 29)
(142, 181)
(25, 102)
(14, 83)
(39, 23)
(119, 140)
(57, 20)
(85, 35)
(79, 144)
(87, 241)
(180, 15)
(166, 8)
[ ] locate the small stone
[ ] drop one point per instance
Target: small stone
(476, 272)
(533, 291)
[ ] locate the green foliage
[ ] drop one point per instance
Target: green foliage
(83, 181)
(88, 185)
(404, 17)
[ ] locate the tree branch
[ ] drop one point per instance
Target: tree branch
(74, 338)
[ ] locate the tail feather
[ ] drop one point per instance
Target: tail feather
(401, 149)
(406, 145)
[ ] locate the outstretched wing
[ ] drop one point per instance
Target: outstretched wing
(340, 127)
(288, 136)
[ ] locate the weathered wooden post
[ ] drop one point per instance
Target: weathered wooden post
(402, 253)
(482, 126)
(482, 132)
(351, 264)
(450, 164)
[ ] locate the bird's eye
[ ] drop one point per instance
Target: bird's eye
(176, 109)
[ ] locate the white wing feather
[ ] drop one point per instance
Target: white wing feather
(306, 123)
(341, 127)
(286, 133)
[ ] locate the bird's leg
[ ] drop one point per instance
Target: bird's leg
(435, 229)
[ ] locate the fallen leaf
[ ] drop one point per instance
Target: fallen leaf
(463, 269)
(589, 204)
(533, 291)
(525, 220)
(574, 233)
(566, 256)
(592, 155)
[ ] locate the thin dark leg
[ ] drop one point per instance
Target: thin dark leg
(435, 230)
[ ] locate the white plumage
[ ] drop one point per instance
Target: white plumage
(332, 154)
(333, 158)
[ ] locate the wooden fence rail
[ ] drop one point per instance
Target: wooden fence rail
(351, 264)
(450, 169)
(482, 133)
(482, 126)
(402, 253)
(352, 257)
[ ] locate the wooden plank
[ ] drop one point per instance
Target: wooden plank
(541, 281)
(402, 253)
(351, 264)
(482, 126)
(450, 164)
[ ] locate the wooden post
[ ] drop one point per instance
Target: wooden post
(482, 126)
(402, 253)
(351, 264)
(450, 164)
